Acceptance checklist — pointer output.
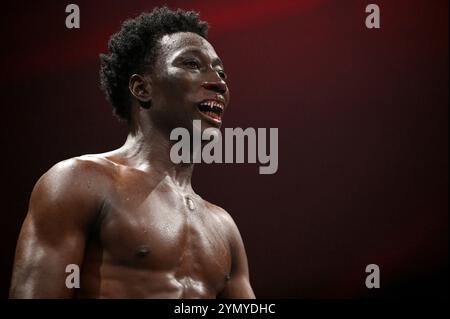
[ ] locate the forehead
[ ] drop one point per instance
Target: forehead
(174, 43)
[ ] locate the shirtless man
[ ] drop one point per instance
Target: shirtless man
(130, 218)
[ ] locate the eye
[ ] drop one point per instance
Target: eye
(192, 64)
(222, 74)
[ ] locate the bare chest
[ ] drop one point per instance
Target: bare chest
(164, 231)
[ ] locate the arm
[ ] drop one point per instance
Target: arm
(53, 235)
(238, 286)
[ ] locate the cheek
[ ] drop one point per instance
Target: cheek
(181, 89)
(179, 82)
(174, 95)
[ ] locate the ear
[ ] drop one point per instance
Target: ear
(141, 89)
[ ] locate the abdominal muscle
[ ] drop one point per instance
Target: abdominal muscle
(117, 281)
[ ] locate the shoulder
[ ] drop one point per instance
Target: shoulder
(218, 212)
(74, 172)
(79, 182)
(225, 219)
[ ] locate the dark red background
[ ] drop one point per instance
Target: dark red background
(363, 133)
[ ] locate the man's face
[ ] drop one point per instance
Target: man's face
(188, 83)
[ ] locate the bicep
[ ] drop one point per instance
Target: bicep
(53, 236)
(40, 262)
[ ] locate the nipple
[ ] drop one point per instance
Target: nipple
(142, 251)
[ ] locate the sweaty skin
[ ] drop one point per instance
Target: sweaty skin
(130, 218)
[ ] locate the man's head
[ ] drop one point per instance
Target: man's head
(161, 66)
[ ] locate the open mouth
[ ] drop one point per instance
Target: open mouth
(212, 109)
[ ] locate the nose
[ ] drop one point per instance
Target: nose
(217, 86)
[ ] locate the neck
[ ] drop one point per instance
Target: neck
(147, 148)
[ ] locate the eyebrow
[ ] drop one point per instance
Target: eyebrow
(216, 60)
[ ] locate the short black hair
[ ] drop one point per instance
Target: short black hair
(133, 50)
